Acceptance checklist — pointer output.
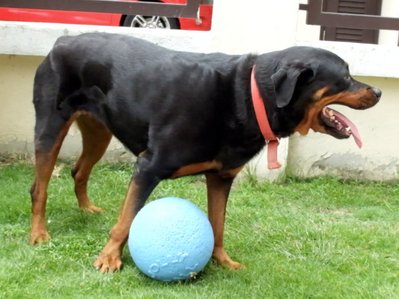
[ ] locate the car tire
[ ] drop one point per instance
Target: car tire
(153, 22)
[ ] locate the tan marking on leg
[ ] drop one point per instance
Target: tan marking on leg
(95, 138)
(197, 168)
(109, 259)
(44, 164)
(218, 192)
(44, 167)
(232, 173)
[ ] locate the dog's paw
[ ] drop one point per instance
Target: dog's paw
(91, 209)
(39, 237)
(233, 265)
(223, 259)
(107, 263)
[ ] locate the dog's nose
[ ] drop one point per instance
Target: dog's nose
(377, 92)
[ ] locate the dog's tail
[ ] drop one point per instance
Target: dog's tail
(82, 80)
(86, 99)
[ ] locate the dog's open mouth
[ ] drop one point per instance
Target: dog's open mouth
(339, 126)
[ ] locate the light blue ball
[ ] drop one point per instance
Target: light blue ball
(171, 239)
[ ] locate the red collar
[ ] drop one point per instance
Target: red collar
(271, 140)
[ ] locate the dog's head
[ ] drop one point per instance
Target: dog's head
(299, 84)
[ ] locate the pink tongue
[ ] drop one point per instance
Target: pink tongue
(355, 133)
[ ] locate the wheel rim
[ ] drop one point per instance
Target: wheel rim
(152, 22)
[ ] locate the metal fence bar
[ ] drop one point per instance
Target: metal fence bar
(316, 16)
(188, 10)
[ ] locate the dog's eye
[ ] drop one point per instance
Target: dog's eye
(347, 78)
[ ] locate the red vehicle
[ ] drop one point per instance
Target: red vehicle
(203, 22)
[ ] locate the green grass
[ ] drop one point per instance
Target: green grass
(319, 238)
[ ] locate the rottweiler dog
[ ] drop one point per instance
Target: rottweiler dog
(181, 114)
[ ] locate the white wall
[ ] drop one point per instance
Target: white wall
(253, 26)
(16, 112)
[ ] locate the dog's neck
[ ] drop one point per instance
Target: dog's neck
(271, 139)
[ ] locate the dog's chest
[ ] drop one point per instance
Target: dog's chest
(234, 155)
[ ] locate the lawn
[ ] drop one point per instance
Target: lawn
(318, 238)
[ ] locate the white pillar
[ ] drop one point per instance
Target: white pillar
(390, 8)
(254, 25)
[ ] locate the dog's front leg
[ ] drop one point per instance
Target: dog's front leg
(140, 187)
(218, 192)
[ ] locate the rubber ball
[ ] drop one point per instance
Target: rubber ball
(171, 239)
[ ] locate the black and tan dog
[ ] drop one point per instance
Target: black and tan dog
(181, 114)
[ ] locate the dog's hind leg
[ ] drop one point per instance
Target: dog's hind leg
(95, 139)
(218, 192)
(50, 132)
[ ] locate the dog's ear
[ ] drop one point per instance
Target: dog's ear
(285, 81)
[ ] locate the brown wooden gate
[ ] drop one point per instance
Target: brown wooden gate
(362, 7)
